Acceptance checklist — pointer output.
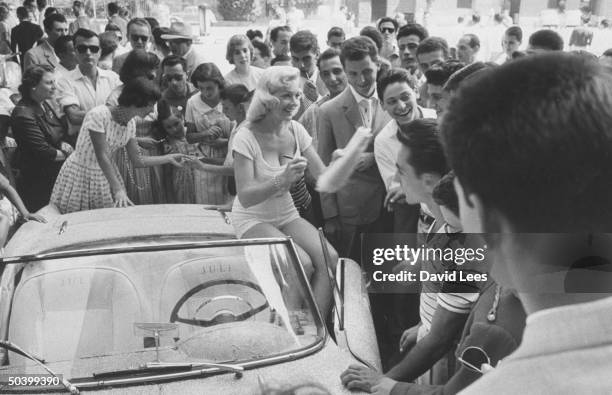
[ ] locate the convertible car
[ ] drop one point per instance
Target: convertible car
(165, 299)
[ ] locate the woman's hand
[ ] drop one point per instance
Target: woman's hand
(192, 162)
(34, 217)
(121, 199)
(66, 148)
(293, 171)
(179, 160)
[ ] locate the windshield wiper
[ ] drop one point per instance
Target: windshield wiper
(18, 350)
(237, 369)
(152, 367)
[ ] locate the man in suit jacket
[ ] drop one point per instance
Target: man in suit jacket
(55, 27)
(24, 35)
(139, 34)
(357, 208)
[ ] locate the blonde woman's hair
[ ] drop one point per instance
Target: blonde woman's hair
(272, 80)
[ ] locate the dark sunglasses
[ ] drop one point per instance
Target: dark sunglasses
(83, 48)
(174, 77)
(136, 37)
(387, 30)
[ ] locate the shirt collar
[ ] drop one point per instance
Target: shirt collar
(77, 75)
(359, 98)
(572, 327)
(208, 108)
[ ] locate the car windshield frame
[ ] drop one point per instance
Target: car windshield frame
(73, 251)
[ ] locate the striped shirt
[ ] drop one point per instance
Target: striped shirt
(457, 297)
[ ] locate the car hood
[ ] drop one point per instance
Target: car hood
(323, 368)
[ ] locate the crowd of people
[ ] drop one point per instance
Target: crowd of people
(520, 143)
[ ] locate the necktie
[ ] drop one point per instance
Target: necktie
(366, 112)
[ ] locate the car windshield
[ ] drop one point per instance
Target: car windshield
(224, 302)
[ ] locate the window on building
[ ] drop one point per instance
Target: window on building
(464, 3)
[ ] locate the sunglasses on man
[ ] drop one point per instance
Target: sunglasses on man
(387, 30)
(137, 37)
(84, 48)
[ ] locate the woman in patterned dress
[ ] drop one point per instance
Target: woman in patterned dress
(89, 179)
(210, 129)
(143, 185)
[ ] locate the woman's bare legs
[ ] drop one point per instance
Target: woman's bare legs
(307, 237)
(293, 298)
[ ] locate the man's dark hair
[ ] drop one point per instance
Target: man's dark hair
(329, 53)
(41, 4)
(153, 23)
(433, 44)
(274, 32)
(462, 75)
(140, 22)
(173, 60)
(608, 52)
(546, 39)
(391, 77)
(85, 33)
(50, 11)
(111, 27)
(422, 138)
(157, 33)
(61, 44)
(236, 94)
(108, 43)
(474, 41)
(439, 74)
(444, 193)
(53, 18)
(387, 19)
(22, 13)
(357, 48)
(373, 33)
(413, 29)
(515, 31)
(542, 154)
(280, 58)
(335, 32)
(139, 92)
(77, 3)
(476, 17)
(253, 33)
(113, 8)
(304, 40)
(264, 49)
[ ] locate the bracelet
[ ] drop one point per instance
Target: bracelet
(277, 184)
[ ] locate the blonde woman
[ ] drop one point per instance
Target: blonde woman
(271, 152)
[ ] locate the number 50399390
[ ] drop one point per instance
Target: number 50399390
(28, 380)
